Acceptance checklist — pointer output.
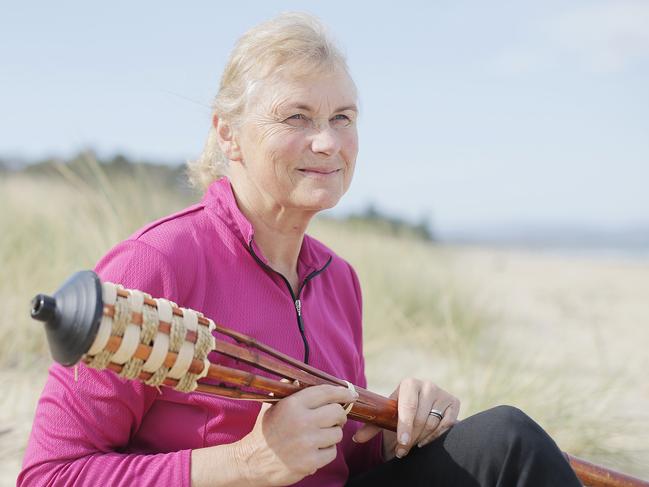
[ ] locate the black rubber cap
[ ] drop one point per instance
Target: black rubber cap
(71, 316)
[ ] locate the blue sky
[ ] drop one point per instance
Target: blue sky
(473, 114)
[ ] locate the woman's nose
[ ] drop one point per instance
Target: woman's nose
(326, 142)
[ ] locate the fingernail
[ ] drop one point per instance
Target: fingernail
(420, 444)
(354, 439)
(405, 438)
(401, 453)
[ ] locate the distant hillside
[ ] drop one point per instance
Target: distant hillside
(90, 168)
(372, 219)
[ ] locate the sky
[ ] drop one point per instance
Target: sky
(473, 114)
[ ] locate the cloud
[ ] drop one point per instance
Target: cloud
(601, 37)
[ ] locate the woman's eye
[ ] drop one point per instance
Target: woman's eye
(341, 120)
(298, 120)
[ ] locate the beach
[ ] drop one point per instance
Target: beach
(562, 337)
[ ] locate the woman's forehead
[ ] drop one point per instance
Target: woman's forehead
(323, 91)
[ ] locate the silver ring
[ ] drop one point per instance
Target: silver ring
(437, 413)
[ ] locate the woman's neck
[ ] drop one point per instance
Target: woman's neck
(279, 232)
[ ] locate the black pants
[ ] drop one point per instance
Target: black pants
(499, 447)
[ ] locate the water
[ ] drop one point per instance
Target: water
(631, 245)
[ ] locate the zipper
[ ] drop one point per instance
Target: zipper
(296, 298)
(300, 325)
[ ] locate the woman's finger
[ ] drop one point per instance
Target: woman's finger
(434, 432)
(365, 433)
(450, 417)
(324, 456)
(424, 422)
(317, 396)
(432, 424)
(450, 413)
(329, 437)
(407, 405)
(329, 415)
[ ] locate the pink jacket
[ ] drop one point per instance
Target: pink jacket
(103, 430)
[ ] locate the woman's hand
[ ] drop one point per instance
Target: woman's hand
(296, 436)
(415, 426)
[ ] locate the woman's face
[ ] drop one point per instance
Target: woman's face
(299, 143)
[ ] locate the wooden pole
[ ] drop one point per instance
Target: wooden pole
(592, 475)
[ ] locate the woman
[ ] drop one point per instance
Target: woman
(282, 147)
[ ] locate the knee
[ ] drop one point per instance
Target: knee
(508, 418)
(510, 425)
(504, 444)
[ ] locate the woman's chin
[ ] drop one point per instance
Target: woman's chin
(318, 200)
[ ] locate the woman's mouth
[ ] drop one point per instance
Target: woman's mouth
(318, 172)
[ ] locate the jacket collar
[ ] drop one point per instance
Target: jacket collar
(219, 198)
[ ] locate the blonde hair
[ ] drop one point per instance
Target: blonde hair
(292, 42)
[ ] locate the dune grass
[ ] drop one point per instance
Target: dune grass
(425, 315)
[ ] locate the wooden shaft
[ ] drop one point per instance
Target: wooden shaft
(241, 378)
(592, 475)
(229, 392)
(252, 357)
(251, 342)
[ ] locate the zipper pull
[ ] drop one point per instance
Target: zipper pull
(298, 307)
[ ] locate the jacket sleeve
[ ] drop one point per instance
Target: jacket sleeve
(83, 426)
(364, 455)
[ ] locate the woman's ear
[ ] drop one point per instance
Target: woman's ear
(227, 138)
